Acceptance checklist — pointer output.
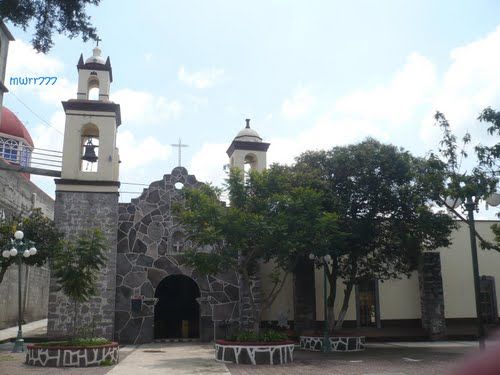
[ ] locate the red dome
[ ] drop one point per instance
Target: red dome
(11, 125)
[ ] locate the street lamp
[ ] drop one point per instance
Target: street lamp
(19, 249)
(470, 205)
(326, 337)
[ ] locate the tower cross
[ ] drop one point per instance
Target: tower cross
(98, 40)
(179, 146)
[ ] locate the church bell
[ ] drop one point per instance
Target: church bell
(89, 154)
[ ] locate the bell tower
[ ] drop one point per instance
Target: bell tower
(87, 192)
(91, 159)
(248, 150)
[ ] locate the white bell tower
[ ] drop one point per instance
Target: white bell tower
(248, 149)
(90, 155)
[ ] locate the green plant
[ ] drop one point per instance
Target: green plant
(106, 362)
(264, 336)
(83, 342)
(76, 268)
(37, 228)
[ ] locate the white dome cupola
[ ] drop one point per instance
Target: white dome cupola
(247, 149)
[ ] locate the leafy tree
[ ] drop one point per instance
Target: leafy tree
(383, 211)
(270, 219)
(61, 16)
(76, 267)
(37, 228)
(451, 184)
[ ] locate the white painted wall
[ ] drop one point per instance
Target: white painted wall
(457, 273)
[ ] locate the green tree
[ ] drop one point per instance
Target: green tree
(270, 219)
(76, 267)
(451, 183)
(383, 211)
(61, 16)
(37, 228)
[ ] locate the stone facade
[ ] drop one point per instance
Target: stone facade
(431, 296)
(76, 212)
(150, 242)
(304, 302)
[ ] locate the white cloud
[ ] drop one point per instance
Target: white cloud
(298, 105)
(396, 101)
(471, 83)
(138, 153)
(202, 79)
(50, 138)
(208, 163)
(142, 107)
(23, 61)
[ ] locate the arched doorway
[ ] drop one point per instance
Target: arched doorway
(177, 313)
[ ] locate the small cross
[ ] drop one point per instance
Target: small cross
(178, 246)
(179, 145)
(98, 40)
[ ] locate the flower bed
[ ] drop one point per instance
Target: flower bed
(337, 343)
(64, 354)
(255, 353)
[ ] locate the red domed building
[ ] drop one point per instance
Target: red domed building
(16, 144)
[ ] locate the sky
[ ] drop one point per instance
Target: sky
(309, 74)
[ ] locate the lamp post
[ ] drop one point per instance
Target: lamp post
(18, 250)
(326, 337)
(470, 206)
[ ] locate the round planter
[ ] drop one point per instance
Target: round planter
(68, 356)
(254, 353)
(337, 343)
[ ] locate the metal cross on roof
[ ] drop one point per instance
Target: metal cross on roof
(98, 40)
(179, 145)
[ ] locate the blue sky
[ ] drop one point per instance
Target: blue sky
(310, 75)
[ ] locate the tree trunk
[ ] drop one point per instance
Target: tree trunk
(75, 314)
(345, 305)
(2, 273)
(331, 302)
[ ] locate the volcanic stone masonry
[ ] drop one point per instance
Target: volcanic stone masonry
(150, 241)
(431, 296)
(75, 212)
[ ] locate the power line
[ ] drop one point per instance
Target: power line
(34, 113)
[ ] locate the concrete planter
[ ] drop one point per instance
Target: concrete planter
(254, 353)
(338, 343)
(67, 356)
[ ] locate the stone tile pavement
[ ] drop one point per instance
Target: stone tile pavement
(195, 358)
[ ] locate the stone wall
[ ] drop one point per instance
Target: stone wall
(431, 296)
(18, 195)
(150, 245)
(76, 212)
(36, 295)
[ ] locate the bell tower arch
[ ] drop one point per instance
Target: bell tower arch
(87, 192)
(247, 151)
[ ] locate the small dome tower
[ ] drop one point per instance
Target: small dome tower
(247, 148)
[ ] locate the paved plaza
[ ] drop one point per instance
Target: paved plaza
(197, 358)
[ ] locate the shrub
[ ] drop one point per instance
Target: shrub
(265, 336)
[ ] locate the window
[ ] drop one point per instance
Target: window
(93, 88)
(367, 304)
(9, 149)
